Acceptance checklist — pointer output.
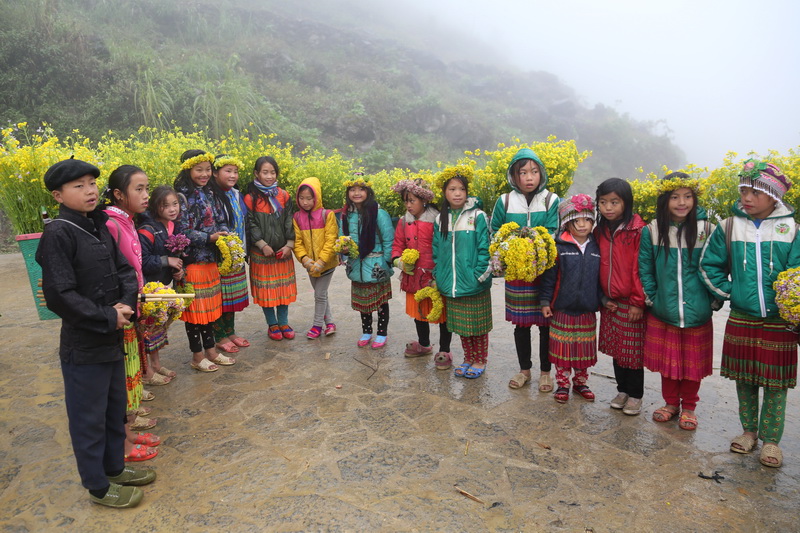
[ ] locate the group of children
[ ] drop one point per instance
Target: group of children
(679, 268)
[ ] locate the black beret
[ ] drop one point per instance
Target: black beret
(66, 171)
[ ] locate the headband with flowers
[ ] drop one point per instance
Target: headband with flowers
(672, 184)
(196, 160)
(464, 171)
(418, 187)
(228, 160)
(358, 181)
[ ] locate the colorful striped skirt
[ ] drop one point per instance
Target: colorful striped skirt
(206, 306)
(133, 366)
(622, 339)
(419, 310)
(759, 351)
(153, 337)
(234, 292)
(679, 353)
(573, 340)
(272, 280)
(368, 297)
(469, 316)
(522, 304)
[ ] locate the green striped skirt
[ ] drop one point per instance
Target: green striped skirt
(469, 316)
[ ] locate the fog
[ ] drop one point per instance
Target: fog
(723, 75)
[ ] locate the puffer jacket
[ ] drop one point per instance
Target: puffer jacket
(757, 256)
(674, 291)
(315, 231)
(619, 265)
(514, 207)
(377, 266)
(264, 226)
(416, 234)
(572, 285)
(462, 258)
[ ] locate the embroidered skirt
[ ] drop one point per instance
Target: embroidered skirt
(272, 280)
(622, 339)
(234, 292)
(206, 306)
(573, 340)
(759, 351)
(368, 297)
(469, 316)
(522, 304)
(419, 310)
(679, 353)
(153, 337)
(133, 366)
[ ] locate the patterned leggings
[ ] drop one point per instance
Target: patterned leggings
(224, 326)
(562, 376)
(383, 320)
(476, 349)
(773, 411)
(201, 336)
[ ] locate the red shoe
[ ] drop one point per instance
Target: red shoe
(141, 453)
(584, 391)
(287, 332)
(561, 395)
(147, 439)
(330, 329)
(275, 333)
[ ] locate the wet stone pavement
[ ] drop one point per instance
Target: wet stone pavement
(289, 439)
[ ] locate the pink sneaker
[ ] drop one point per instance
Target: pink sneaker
(314, 332)
(415, 349)
(330, 329)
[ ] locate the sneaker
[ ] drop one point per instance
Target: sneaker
(314, 332)
(120, 497)
(330, 329)
(134, 476)
(633, 406)
(275, 333)
(415, 349)
(287, 332)
(619, 401)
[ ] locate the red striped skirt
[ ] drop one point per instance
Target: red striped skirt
(522, 304)
(419, 310)
(759, 351)
(272, 280)
(368, 297)
(573, 340)
(679, 353)
(206, 307)
(622, 339)
(234, 292)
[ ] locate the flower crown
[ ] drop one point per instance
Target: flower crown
(672, 184)
(418, 187)
(358, 181)
(196, 160)
(228, 160)
(465, 171)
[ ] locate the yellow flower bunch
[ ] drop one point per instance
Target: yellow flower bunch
(463, 170)
(228, 160)
(787, 295)
(521, 253)
(437, 305)
(232, 251)
(346, 246)
(647, 190)
(196, 160)
(163, 312)
(410, 256)
(359, 181)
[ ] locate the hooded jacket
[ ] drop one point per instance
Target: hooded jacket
(619, 265)
(572, 285)
(416, 234)
(462, 258)
(757, 256)
(315, 231)
(514, 207)
(673, 288)
(376, 267)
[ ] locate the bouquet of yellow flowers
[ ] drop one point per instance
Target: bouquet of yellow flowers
(408, 259)
(521, 253)
(232, 251)
(436, 302)
(162, 312)
(344, 245)
(787, 295)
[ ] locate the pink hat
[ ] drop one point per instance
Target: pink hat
(579, 206)
(764, 177)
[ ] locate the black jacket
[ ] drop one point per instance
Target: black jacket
(573, 284)
(153, 236)
(83, 275)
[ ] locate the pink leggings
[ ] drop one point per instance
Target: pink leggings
(680, 392)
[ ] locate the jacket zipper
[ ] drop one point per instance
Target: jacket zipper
(680, 283)
(453, 251)
(759, 273)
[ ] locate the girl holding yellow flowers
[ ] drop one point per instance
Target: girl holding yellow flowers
(234, 285)
(413, 255)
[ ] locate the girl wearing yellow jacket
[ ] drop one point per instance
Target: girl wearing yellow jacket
(316, 230)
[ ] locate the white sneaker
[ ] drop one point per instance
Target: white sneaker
(619, 401)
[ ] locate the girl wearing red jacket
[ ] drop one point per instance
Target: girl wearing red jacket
(622, 324)
(415, 231)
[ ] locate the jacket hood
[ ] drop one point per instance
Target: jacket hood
(635, 224)
(527, 153)
(702, 214)
(316, 190)
(781, 210)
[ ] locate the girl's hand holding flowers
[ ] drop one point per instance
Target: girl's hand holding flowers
(408, 260)
(344, 245)
(232, 251)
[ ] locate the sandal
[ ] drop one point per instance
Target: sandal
(146, 439)
(665, 414)
(561, 395)
(443, 360)
(141, 453)
(473, 372)
(687, 421)
(141, 411)
(518, 381)
(584, 391)
(461, 369)
(140, 423)
(205, 366)
(771, 451)
(240, 342)
(743, 444)
(229, 347)
(223, 360)
(545, 383)
(157, 380)
(164, 371)
(148, 396)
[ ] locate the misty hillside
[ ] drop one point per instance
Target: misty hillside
(392, 91)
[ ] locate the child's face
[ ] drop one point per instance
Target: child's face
(357, 195)
(227, 176)
(681, 202)
(529, 177)
(755, 203)
(267, 175)
(456, 194)
(414, 205)
(201, 173)
(306, 200)
(581, 228)
(611, 206)
(134, 200)
(169, 208)
(80, 194)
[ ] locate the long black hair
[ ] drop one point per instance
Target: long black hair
(183, 181)
(622, 189)
(664, 220)
(368, 211)
(252, 189)
(444, 209)
(120, 179)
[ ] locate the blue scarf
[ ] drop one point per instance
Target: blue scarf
(272, 194)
